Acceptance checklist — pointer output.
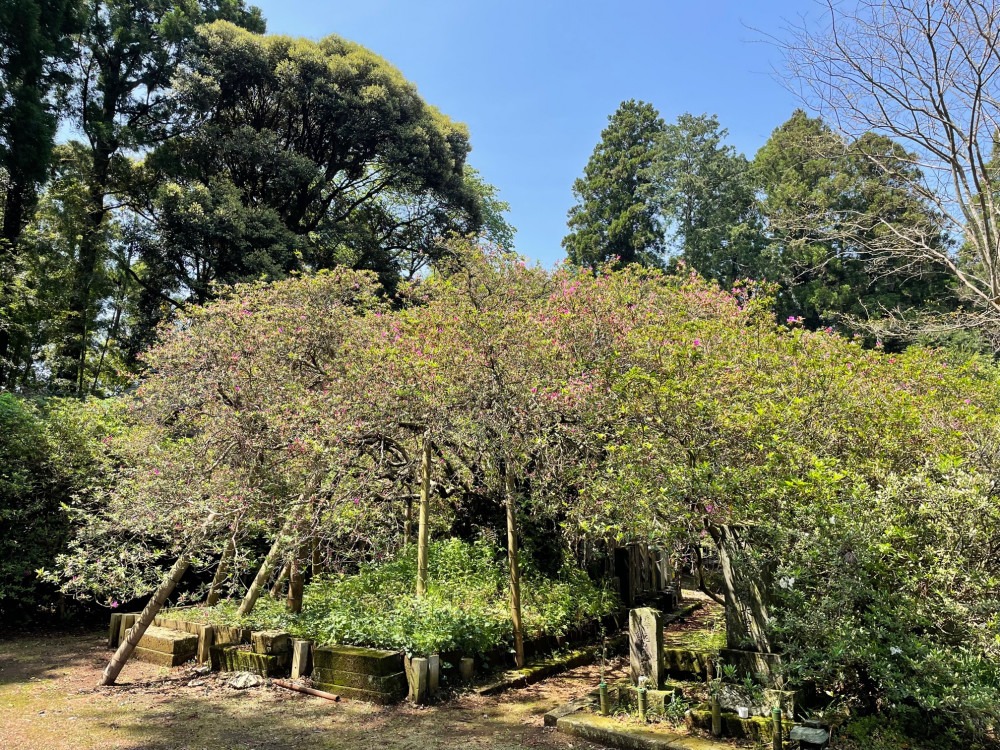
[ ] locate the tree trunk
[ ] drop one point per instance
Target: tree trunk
(221, 573)
(701, 578)
(422, 531)
(135, 634)
(746, 585)
(253, 593)
(74, 347)
(515, 575)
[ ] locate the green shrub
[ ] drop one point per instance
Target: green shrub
(465, 608)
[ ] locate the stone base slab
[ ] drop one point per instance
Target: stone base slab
(161, 658)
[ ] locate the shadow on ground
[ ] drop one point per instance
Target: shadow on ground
(48, 700)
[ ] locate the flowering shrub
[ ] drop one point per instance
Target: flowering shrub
(855, 491)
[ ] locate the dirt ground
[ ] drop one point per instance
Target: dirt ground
(48, 702)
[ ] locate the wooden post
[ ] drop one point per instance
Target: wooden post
(515, 574)
(317, 559)
(422, 531)
(221, 572)
(296, 579)
(408, 525)
(135, 634)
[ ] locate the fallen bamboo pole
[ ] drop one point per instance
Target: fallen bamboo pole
(306, 690)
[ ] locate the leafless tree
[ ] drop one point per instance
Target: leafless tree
(925, 73)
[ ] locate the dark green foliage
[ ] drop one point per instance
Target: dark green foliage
(709, 201)
(617, 214)
(49, 456)
(129, 52)
(824, 203)
(308, 155)
(34, 40)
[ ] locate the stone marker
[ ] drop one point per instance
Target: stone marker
(811, 738)
(417, 677)
(206, 639)
(116, 625)
(645, 639)
(300, 658)
(466, 668)
(127, 621)
(433, 673)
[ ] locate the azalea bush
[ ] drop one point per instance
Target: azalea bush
(854, 491)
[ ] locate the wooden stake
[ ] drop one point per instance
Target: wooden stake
(408, 525)
(422, 531)
(221, 572)
(515, 574)
(296, 582)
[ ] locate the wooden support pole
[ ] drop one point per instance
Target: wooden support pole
(136, 632)
(221, 572)
(515, 572)
(422, 530)
(408, 524)
(253, 593)
(296, 580)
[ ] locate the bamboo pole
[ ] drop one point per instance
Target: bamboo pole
(422, 531)
(408, 525)
(150, 611)
(221, 572)
(515, 573)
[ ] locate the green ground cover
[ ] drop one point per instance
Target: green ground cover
(465, 608)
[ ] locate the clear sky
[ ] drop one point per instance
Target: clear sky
(536, 80)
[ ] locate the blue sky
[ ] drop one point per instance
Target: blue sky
(536, 81)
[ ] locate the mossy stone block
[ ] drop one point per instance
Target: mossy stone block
(160, 658)
(755, 728)
(227, 635)
(682, 662)
(271, 642)
(393, 683)
(235, 659)
(357, 659)
(169, 641)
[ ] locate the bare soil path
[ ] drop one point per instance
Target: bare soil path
(48, 702)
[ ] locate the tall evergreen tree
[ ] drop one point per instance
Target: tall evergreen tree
(709, 200)
(823, 198)
(308, 155)
(617, 214)
(34, 42)
(127, 56)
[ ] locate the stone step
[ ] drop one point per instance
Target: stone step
(169, 641)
